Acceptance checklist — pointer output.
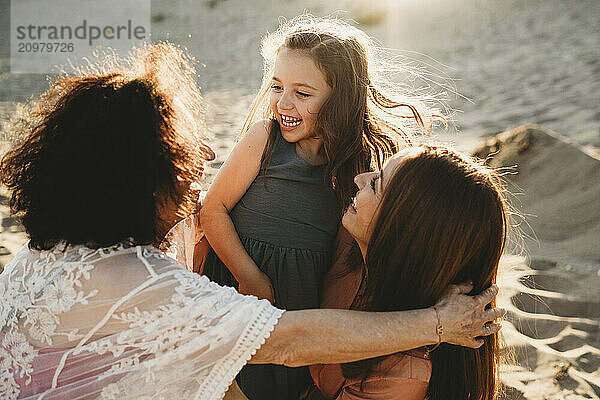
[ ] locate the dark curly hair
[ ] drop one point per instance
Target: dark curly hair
(103, 149)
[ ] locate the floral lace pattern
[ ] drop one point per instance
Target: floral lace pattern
(69, 329)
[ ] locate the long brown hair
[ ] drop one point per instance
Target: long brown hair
(361, 123)
(442, 220)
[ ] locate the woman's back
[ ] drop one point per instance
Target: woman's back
(123, 322)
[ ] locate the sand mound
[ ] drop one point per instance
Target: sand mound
(554, 302)
(557, 187)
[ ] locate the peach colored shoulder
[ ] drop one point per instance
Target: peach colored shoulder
(400, 376)
(341, 286)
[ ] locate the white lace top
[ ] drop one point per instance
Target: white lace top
(121, 323)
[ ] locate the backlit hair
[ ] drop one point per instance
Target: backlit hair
(103, 147)
(363, 122)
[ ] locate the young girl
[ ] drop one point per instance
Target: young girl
(273, 211)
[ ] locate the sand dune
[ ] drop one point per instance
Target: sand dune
(560, 188)
(553, 295)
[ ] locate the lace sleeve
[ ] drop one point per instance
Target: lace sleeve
(125, 324)
(247, 325)
(193, 345)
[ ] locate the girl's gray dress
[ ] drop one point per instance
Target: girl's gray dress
(287, 222)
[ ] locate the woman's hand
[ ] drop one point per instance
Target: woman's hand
(258, 284)
(464, 318)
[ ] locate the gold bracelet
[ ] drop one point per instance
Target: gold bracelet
(439, 330)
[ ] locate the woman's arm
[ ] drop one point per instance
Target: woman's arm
(230, 184)
(309, 337)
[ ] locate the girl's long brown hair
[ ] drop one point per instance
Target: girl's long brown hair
(442, 220)
(361, 125)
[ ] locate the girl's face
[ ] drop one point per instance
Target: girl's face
(298, 90)
(362, 212)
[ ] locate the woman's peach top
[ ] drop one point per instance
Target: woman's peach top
(400, 376)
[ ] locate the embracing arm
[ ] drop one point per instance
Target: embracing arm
(232, 181)
(309, 337)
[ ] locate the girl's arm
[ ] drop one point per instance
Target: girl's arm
(230, 184)
(308, 337)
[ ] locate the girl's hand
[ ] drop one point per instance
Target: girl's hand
(257, 284)
(464, 318)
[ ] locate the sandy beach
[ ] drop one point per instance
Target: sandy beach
(552, 288)
(514, 63)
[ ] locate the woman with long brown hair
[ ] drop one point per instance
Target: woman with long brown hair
(430, 218)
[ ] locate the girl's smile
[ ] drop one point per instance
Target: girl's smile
(298, 91)
(288, 122)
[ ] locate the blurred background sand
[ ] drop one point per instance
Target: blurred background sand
(513, 63)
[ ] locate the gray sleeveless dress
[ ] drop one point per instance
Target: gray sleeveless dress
(287, 222)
